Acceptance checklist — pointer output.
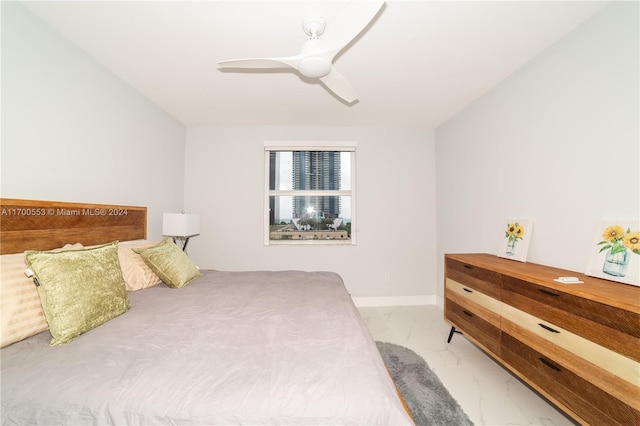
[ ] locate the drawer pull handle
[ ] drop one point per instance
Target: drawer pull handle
(467, 266)
(549, 364)
(546, 327)
(467, 290)
(548, 293)
(467, 313)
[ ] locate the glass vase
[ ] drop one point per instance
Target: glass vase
(511, 247)
(616, 264)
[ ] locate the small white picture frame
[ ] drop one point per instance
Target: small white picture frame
(614, 254)
(516, 236)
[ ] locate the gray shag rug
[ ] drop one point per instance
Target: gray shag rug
(428, 401)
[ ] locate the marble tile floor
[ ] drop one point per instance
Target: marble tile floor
(488, 393)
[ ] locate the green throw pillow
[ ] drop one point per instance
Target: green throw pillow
(79, 289)
(169, 263)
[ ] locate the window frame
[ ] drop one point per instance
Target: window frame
(340, 146)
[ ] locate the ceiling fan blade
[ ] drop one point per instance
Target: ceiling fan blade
(260, 63)
(346, 27)
(339, 85)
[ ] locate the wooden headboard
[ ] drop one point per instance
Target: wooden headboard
(44, 225)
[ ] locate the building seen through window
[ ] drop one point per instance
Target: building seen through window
(319, 170)
(310, 195)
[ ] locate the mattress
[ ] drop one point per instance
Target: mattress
(285, 347)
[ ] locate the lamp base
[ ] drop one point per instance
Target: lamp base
(183, 242)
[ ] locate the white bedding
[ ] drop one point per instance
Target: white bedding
(230, 348)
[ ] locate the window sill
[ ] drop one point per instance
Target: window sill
(310, 243)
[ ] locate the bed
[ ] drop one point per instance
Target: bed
(251, 347)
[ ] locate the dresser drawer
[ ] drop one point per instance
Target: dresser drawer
(470, 322)
(609, 369)
(594, 405)
(611, 327)
(483, 280)
(484, 306)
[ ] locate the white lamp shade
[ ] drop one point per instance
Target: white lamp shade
(180, 225)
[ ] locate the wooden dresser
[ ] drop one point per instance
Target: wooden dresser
(576, 344)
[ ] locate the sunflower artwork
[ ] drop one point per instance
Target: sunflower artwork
(515, 243)
(616, 252)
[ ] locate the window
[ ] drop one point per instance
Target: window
(309, 193)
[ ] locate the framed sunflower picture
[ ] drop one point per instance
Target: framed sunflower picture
(615, 252)
(516, 235)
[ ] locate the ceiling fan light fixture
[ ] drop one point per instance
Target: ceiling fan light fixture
(314, 67)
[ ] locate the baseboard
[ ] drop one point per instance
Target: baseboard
(395, 300)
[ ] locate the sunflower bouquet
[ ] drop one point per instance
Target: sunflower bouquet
(615, 238)
(514, 232)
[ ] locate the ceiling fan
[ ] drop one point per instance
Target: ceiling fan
(315, 60)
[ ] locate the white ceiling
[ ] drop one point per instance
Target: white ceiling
(416, 65)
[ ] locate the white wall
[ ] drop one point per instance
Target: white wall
(395, 252)
(556, 142)
(72, 131)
